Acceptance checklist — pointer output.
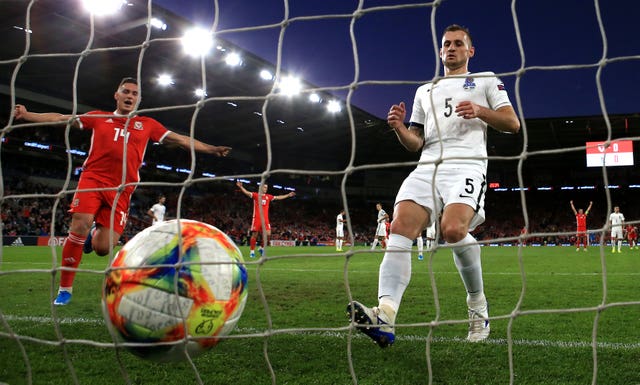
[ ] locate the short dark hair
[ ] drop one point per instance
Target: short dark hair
(456, 27)
(128, 80)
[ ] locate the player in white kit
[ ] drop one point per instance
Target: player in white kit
(381, 228)
(158, 210)
(448, 123)
(616, 220)
(340, 230)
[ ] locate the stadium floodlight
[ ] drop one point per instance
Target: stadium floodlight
(197, 42)
(165, 80)
(266, 75)
(290, 86)
(103, 7)
(199, 92)
(315, 98)
(334, 106)
(233, 59)
(157, 23)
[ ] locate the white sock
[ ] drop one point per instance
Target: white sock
(467, 260)
(420, 245)
(395, 271)
(374, 244)
(619, 245)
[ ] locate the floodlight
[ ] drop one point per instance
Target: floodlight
(165, 80)
(233, 59)
(200, 92)
(197, 42)
(314, 98)
(334, 106)
(266, 75)
(290, 86)
(103, 7)
(155, 22)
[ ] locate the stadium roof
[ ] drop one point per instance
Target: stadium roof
(302, 135)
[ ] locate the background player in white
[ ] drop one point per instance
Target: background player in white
(431, 236)
(448, 123)
(616, 221)
(420, 245)
(340, 230)
(381, 229)
(157, 211)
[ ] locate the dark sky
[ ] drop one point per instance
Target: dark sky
(397, 45)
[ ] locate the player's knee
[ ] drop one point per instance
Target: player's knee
(405, 228)
(453, 232)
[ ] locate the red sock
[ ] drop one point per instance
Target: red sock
(71, 257)
(252, 243)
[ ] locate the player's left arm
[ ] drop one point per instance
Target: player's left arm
(588, 208)
(503, 119)
(183, 141)
(284, 196)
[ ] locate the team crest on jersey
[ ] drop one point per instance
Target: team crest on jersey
(75, 203)
(469, 84)
(137, 125)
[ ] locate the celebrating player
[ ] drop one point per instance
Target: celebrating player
(381, 229)
(340, 230)
(616, 221)
(157, 211)
(448, 123)
(632, 236)
(261, 202)
(111, 133)
(581, 221)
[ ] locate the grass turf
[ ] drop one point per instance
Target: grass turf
(295, 330)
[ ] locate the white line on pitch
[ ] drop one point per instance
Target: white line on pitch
(413, 338)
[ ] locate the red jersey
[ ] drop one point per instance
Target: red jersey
(104, 162)
(631, 232)
(581, 220)
(261, 204)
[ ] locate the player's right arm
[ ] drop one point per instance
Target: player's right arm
(244, 190)
(21, 113)
(574, 208)
(411, 138)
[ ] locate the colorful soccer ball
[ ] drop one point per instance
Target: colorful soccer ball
(174, 289)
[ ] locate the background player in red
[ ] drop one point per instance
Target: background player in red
(103, 169)
(632, 236)
(581, 221)
(261, 203)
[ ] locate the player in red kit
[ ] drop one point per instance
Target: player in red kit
(632, 236)
(103, 171)
(261, 203)
(581, 221)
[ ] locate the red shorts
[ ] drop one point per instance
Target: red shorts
(256, 225)
(581, 233)
(100, 203)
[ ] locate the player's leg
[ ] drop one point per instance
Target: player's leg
(265, 239)
(72, 255)
(394, 274)
(420, 245)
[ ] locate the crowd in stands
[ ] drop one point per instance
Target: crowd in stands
(30, 209)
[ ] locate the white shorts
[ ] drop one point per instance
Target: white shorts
(381, 230)
(340, 232)
(616, 232)
(460, 185)
(431, 231)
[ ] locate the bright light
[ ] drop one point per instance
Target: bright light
(103, 7)
(314, 98)
(197, 42)
(200, 92)
(266, 75)
(334, 106)
(290, 86)
(165, 80)
(233, 59)
(155, 22)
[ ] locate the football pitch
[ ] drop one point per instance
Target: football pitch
(557, 317)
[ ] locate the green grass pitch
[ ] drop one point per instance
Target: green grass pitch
(546, 304)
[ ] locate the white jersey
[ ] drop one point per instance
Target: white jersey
(381, 228)
(616, 220)
(462, 138)
(158, 211)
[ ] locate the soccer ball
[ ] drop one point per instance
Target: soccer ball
(174, 289)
